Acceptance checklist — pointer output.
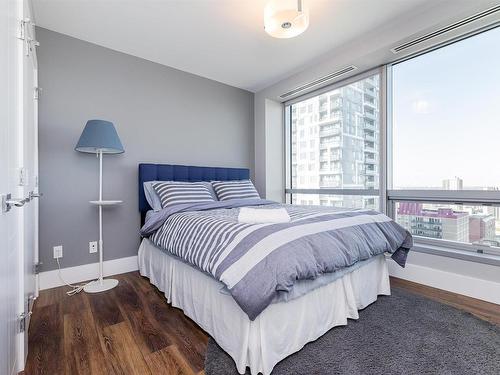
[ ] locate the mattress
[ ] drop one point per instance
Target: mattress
(260, 344)
(258, 262)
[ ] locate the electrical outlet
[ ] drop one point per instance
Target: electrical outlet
(58, 251)
(93, 247)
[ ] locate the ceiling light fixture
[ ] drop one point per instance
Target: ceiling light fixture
(286, 18)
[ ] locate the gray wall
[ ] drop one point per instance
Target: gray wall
(161, 114)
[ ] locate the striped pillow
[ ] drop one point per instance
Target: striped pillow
(174, 192)
(242, 189)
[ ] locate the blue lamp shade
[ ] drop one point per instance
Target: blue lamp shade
(99, 135)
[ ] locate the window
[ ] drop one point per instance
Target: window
(446, 123)
(343, 141)
(440, 144)
(461, 223)
(445, 132)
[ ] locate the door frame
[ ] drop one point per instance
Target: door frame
(28, 151)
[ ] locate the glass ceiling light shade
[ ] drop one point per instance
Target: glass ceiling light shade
(286, 18)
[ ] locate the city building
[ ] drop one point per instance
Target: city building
(335, 140)
(481, 228)
(442, 223)
(493, 210)
(455, 183)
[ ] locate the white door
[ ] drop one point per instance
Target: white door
(18, 177)
(10, 159)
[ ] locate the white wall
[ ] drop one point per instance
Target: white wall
(274, 151)
(472, 279)
(260, 143)
(269, 148)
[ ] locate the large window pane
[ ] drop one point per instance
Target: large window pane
(335, 138)
(341, 201)
(446, 124)
(461, 223)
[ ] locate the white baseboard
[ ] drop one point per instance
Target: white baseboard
(50, 279)
(469, 286)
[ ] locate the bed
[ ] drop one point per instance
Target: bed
(257, 317)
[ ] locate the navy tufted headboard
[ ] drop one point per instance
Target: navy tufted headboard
(168, 172)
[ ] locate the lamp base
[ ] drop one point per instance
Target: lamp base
(100, 285)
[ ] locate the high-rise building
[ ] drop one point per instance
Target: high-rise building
(455, 183)
(335, 139)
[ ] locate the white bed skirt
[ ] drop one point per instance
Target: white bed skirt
(282, 328)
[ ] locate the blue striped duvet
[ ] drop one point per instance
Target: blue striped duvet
(258, 261)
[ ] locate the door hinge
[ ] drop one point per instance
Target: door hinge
(23, 317)
(26, 35)
(37, 268)
(22, 29)
(36, 94)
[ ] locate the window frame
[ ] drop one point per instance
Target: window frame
(287, 114)
(453, 197)
(387, 195)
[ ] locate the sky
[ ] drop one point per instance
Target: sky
(447, 115)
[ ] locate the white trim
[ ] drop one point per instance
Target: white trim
(444, 196)
(305, 88)
(333, 191)
(50, 279)
(468, 31)
(448, 32)
(383, 131)
(466, 285)
(333, 86)
(460, 250)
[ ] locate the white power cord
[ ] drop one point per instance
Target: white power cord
(75, 288)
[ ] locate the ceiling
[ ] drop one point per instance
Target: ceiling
(224, 40)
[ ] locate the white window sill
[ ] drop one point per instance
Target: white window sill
(457, 253)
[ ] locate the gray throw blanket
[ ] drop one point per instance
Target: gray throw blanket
(258, 261)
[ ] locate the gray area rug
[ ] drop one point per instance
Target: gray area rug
(400, 334)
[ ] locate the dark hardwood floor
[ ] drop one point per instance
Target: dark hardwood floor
(127, 330)
(132, 330)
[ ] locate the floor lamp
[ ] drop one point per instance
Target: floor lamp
(100, 137)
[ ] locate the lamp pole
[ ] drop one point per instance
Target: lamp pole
(100, 219)
(101, 284)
